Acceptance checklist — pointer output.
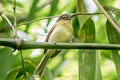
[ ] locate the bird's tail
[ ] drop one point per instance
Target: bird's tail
(41, 66)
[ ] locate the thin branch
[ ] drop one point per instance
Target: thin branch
(43, 5)
(37, 20)
(37, 9)
(15, 33)
(107, 15)
(1, 1)
(6, 20)
(22, 59)
(15, 22)
(60, 15)
(13, 43)
(33, 9)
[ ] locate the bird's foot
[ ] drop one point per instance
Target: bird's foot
(54, 42)
(70, 42)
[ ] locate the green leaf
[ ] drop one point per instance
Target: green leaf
(47, 75)
(19, 73)
(53, 8)
(87, 33)
(113, 36)
(81, 8)
(98, 75)
(76, 27)
(83, 19)
(116, 17)
(32, 12)
(12, 74)
(89, 68)
(6, 61)
(110, 8)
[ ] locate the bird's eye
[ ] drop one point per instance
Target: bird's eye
(64, 17)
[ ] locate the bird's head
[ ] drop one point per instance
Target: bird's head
(65, 17)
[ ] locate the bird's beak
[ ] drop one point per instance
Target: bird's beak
(73, 15)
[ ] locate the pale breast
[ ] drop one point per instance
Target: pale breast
(63, 32)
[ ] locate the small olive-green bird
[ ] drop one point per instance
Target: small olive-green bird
(62, 31)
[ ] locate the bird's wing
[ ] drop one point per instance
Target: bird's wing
(48, 35)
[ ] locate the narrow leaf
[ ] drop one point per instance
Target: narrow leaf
(53, 9)
(81, 8)
(116, 11)
(114, 37)
(110, 8)
(32, 12)
(88, 62)
(47, 75)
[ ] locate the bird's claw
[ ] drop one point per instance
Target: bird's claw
(54, 42)
(70, 42)
(13, 50)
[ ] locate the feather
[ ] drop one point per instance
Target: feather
(48, 35)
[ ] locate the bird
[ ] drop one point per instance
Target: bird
(62, 31)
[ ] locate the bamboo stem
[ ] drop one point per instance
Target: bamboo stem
(13, 43)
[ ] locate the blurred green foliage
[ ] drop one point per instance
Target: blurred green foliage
(66, 65)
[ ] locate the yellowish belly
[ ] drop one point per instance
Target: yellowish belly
(61, 34)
